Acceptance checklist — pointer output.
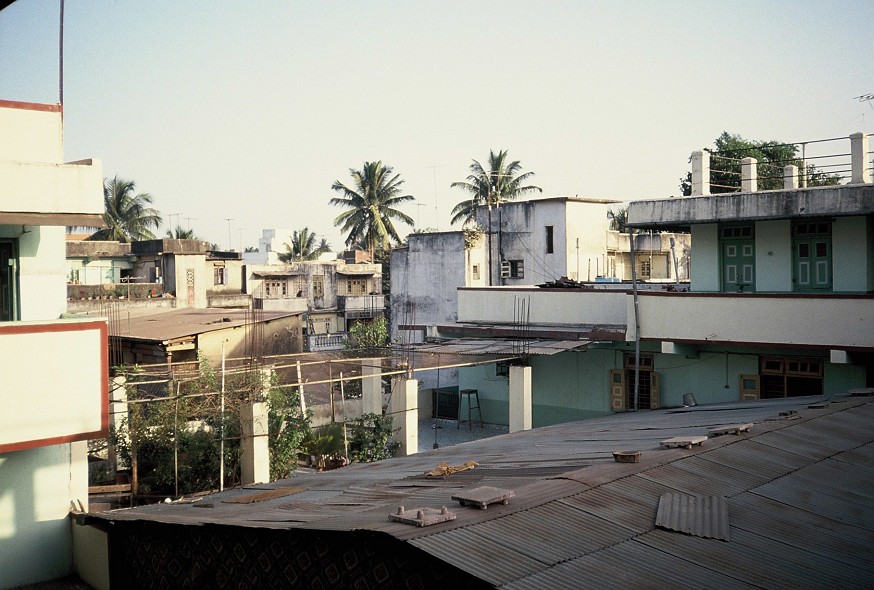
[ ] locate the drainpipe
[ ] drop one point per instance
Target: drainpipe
(636, 324)
(500, 242)
(490, 244)
(676, 266)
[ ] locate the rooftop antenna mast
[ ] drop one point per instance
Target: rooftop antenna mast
(866, 98)
(61, 61)
(436, 215)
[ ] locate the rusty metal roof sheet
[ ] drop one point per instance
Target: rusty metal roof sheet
(170, 324)
(702, 516)
(799, 495)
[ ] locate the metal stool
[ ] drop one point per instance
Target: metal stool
(470, 407)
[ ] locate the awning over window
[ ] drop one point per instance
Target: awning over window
(278, 273)
(350, 270)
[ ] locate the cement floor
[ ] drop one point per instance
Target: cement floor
(449, 433)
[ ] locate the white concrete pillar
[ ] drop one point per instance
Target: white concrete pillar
(520, 398)
(790, 177)
(858, 153)
(749, 175)
(255, 460)
(405, 414)
(700, 173)
(118, 408)
(371, 387)
(79, 473)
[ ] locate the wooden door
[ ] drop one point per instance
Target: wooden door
(653, 391)
(617, 389)
(749, 387)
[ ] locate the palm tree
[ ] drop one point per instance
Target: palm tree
(491, 187)
(371, 202)
(618, 219)
(127, 216)
(303, 246)
(181, 234)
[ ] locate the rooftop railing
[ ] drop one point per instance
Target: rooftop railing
(787, 166)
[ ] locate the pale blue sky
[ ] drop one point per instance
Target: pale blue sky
(250, 110)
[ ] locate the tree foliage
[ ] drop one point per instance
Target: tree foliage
(618, 219)
(193, 425)
(303, 246)
(370, 334)
(500, 181)
(181, 234)
(371, 202)
(127, 216)
(370, 439)
(771, 156)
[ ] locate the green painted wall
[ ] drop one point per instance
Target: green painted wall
(494, 393)
(705, 258)
(571, 386)
(575, 385)
(849, 256)
(713, 377)
(841, 378)
(774, 256)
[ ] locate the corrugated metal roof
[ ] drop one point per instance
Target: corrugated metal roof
(702, 516)
(627, 565)
(178, 323)
(800, 500)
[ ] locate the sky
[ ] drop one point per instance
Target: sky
(249, 111)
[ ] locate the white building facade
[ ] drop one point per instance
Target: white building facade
(57, 366)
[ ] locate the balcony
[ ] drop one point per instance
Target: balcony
(289, 304)
(54, 382)
(593, 313)
(828, 321)
(361, 306)
(323, 342)
(32, 193)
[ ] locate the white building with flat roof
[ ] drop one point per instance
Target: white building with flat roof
(53, 372)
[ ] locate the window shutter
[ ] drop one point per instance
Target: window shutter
(617, 389)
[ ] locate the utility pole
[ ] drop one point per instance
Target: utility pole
(436, 214)
(229, 220)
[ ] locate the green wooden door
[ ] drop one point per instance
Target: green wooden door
(812, 256)
(738, 249)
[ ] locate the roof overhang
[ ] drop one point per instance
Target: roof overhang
(65, 219)
(277, 273)
(503, 347)
(829, 201)
(541, 332)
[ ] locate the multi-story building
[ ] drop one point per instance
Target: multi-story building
(53, 372)
(189, 270)
(334, 294)
(532, 242)
(779, 304)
